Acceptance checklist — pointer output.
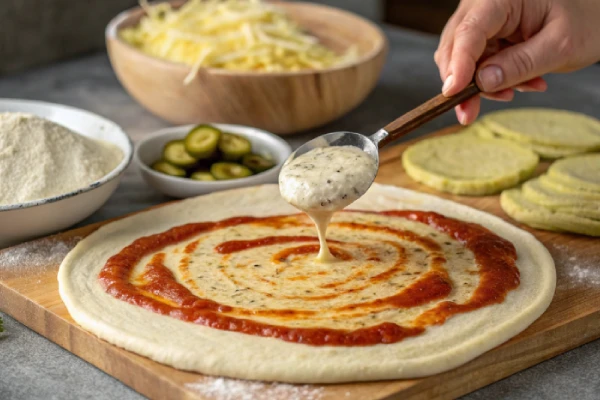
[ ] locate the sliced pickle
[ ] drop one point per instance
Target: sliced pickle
(202, 176)
(229, 170)
(202, 141)
(168, 169)
(257, 163)
(233, 147)
(175, 153)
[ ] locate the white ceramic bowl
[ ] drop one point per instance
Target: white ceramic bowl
(19, 222)
(150, 149)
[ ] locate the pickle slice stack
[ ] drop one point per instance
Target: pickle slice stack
(208, 154)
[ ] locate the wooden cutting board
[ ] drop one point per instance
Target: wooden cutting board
(29, 293)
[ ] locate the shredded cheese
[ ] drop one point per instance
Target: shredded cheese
(247, 35)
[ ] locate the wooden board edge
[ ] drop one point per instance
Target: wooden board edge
(512, 356)
(76, 340)
(505, 360)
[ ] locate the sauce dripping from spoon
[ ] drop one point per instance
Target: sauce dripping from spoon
(325, 180)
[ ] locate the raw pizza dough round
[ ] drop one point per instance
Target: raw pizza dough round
(194, 347)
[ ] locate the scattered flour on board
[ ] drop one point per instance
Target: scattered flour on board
(35, 257)
(572, 270)
(234, 389)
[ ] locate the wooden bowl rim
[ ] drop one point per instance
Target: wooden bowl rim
(381, 44)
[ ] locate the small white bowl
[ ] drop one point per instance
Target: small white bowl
(19, 222)
(150, 149)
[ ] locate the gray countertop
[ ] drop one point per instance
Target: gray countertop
(32, 367)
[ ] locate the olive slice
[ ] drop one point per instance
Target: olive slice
(229, 170)
(202, 176)
(202, 141)
(168, 169)
(175, 153)
(233, 147)
(257, 163)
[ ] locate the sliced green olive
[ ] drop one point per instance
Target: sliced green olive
(257, 163)
(202, 176)
(175, 153)
(233, 147)
(202, 141)
(229, 170)
(168, 169)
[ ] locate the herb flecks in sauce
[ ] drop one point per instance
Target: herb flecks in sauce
(325, 180)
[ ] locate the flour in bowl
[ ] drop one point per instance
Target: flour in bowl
(41, 159)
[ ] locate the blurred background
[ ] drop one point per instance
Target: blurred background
(38, 32)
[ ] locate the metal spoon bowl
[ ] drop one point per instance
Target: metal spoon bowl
(400, 127)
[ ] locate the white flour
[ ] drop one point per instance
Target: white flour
(34, 258)
(573, 271)
(41, 159)
(233, 389)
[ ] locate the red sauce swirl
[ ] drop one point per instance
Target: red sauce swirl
(158, 290)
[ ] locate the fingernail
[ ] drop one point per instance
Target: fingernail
(490, 78)
(447, 84)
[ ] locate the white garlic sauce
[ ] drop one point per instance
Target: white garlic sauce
(325, 180)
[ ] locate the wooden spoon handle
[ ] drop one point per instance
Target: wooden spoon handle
(426, 112)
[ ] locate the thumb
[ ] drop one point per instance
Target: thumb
(543, 53)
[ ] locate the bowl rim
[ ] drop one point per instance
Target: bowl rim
(118, 170)
(216, 184)
(114, 26)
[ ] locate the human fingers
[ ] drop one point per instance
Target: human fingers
(468, 111)
(503, 95)
(444, 51)
(533, 85)
(485, 20)
(523, 62)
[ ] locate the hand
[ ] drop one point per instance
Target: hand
(510, 44)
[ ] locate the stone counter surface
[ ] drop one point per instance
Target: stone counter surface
(32, 367)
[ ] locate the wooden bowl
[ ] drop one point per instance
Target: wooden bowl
(282, 103)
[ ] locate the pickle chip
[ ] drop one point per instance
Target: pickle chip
(233, 147)
(515, 204)
(176, 154)
(229, 170)
(168, 169)
(257, 163)
(201, 142)
(468, 164)
(202, 176)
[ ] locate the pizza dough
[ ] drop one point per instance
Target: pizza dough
(467, 164)
(195, 347)
(547, 127)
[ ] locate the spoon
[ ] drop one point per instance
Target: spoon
(394, 130)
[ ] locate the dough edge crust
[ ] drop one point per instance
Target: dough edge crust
(192, 347)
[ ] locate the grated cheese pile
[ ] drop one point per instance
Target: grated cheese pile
(246, 35)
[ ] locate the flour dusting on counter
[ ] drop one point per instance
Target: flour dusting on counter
(572, 270)
(233, 389)
(35, 257)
